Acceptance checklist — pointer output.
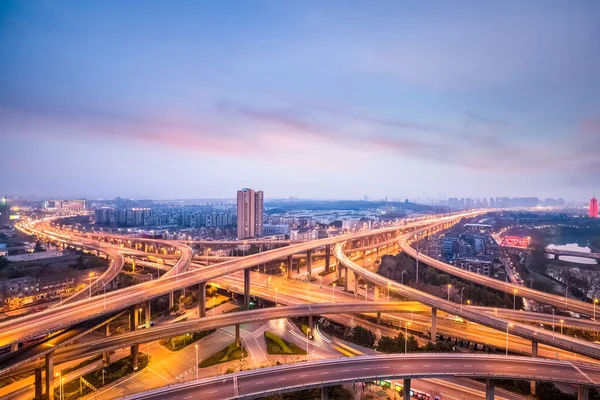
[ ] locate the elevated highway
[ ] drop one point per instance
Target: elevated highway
(293, 377)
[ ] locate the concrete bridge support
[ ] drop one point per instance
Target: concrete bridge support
(406, 389)
(14, 347)
(346, 270)
(433, 323)
(133, 318)
(311, 326)
(38, 383)
(489, 389)
(238, 341)
(247, 288)
(135, 356)
(288, 270)
(534, 353)
(583, 393)
(309, 264)
(202, 300)
(49, 364)
(327, 257)
(378, 318)
(147, 315)
(171, 300)
(106, 358)
(107, 329)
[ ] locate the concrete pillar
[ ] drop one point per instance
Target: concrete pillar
(50, 375)
(107, 329)
(14, 347)
(346, 279)
(534, 348)
(309, 263)
(38, 383)
(324, 395)
(147, 314)
(327, 257)
(202, 300)
(489, 389)
(133, 318)
(378, 318)
(355, 282)
(247, 288)
(338, 272)
(171, 300)
(406, 389)
(289, 266)
(106, 358)
(135, 356)
(238, 342)
(433, 323)
(311, 326)
(583, 393)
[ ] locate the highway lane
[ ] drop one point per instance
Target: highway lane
(64, 316)
(293, 377)
(525, 331)
(506, 287)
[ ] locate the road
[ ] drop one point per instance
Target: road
(293, 377)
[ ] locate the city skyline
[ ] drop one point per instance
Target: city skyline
(94, 98)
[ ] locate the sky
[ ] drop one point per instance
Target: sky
(313, 99)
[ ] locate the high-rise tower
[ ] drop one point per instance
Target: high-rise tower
(594, 207)
(250, 213)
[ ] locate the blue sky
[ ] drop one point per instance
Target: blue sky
(333, 99)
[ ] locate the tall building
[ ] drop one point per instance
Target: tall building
(250, 213)
(594, 207)
(4, 212)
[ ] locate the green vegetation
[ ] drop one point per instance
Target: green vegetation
(279, 346)
(179, 342)
(229, 353)
(114, 371)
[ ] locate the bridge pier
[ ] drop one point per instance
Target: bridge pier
(289, 266)
(355, 284)
(133, 318)
(406, 389)
(135, 356)
(202, 300)
(311, 326)
(434, 324)
(583, 393)
(247, 287)
(346, 278)
(14, 347)
(237, 335)
(171, 300)
(489, 389)
(38, 383)
(49, 364)
(327, 257)
(107, 329)
(378, 318)
(106, 358)
(147, 315)
(309, 264)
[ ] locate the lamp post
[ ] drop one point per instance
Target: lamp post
(507, 326)
(406, 338)
(90, 276)
(515, 299)
(197, 367)
(103, 372)
(307, 336)
(449, 286)
(389, 284)
(561, 326)
(333, 293)
(58, 375)
(403, 272)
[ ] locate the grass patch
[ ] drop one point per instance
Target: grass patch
(179, 342)
(279, 346)
(229, 353)
(114, 371)
(218, 300)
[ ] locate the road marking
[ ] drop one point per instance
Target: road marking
(488, 366)
(447, 365)
(303, 376)
(214, 391)
(365, 369)
(406, 366)
(467, 365)
(281, 379)
(509, 367)
(324, 373)
(532, 369)
(385, 367)
(556, 372)
(582, 373)
(427, 365)
(189, 397)
(258, 383)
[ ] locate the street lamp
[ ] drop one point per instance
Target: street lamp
(307, 336)
(103, 372)
(449, 286)
(389, 284)
(561, 326)
(507, 326)
(58, 375)
(333, 293)
(406, 338)
(90, 276)
(197, 362)
(403, 272)
(515, 299)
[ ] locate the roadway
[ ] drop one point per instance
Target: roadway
(294, 377)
